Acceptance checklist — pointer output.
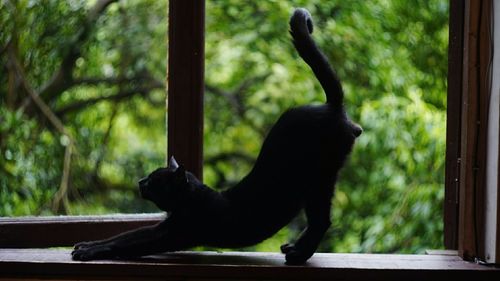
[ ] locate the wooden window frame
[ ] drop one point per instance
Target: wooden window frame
(466, 96)
(453, 121)
(470, 56)
(186, 61)
(43, 264)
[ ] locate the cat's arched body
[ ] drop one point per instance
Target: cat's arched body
(296, 169)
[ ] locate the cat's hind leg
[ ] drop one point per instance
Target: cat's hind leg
(318, 219)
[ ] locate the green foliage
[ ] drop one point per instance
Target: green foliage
(390, 55)
(25, 188)
(392, 61)
(410, 185)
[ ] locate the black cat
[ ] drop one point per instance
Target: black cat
(296, 169)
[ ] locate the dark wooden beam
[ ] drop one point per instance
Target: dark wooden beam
(186, 82)
(39, 232)
(453, 123)
(475, 107)
(42, 264)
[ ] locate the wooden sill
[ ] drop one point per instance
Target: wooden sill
(61, 231)
(56, 264)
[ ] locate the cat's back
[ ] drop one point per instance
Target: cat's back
(304, 140)
(310, 118)
(307, 131)
(307, 145)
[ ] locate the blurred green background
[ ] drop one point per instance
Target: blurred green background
(100, 66)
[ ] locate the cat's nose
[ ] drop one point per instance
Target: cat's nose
(357, 130)
(143, 181)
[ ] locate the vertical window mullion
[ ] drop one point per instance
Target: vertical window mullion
(185, 82)
(454, 102)
(474, 126)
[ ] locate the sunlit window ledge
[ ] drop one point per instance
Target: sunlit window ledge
(56, 264)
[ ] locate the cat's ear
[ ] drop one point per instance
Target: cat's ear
(172, 163)
(180, 176)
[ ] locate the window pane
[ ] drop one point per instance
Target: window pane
(99, 66)
(392, 59)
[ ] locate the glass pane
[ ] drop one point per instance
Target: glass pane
(392, 59)
(100, 71)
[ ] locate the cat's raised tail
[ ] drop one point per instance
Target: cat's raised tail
(301, 27)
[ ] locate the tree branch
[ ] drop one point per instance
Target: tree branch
(144, 77)
(147, 80)
(222, 182)
(116, 97)
(60, 203)
(236, 96)
(44, 108)
(4, 48)
(101, 80)
(63, 77)
(226, 156)
(94, 175)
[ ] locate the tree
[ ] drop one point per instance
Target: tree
(59, 68)
(98, 73)
(392, 58)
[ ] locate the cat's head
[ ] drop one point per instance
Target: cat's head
(166, 187)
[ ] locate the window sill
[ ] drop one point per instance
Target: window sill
(56, 264)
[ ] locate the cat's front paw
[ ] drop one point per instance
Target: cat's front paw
(295, 255)
(285, 248)
(85, 244)
(91, 253)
